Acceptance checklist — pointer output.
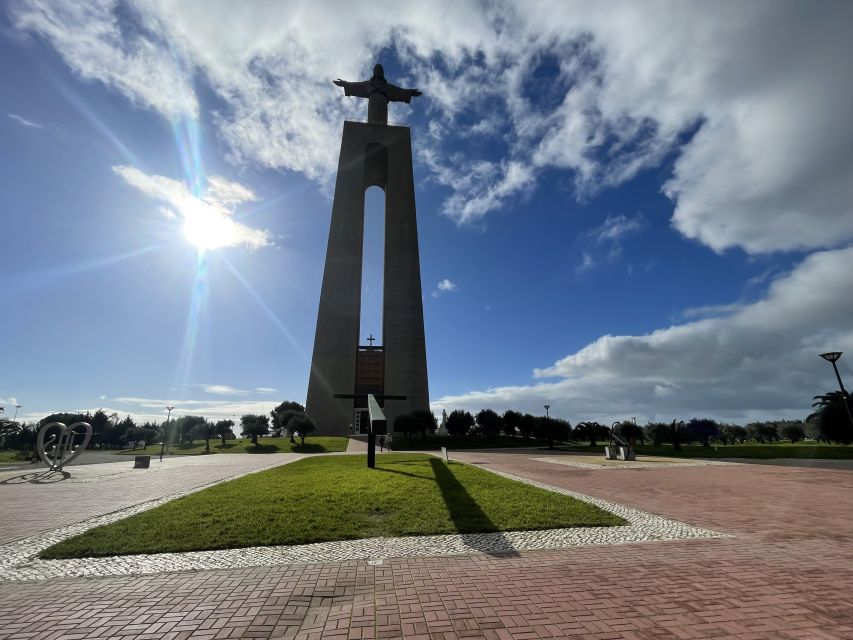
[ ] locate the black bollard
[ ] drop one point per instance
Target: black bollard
(371, 448)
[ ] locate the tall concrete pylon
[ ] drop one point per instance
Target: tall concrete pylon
(372, 154)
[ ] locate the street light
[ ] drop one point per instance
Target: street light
(547, 406)
(832, 357)
(17, 406)
(165, 432)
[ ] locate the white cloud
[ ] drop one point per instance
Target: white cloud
(709, 310)
(88, 35)
(445, 286)
(614, 228)
(207, 218)
(764, 87)
(758, 361)
(24, 122)
(223, 390)
(266, 390)
(8, 402)
(608, 238)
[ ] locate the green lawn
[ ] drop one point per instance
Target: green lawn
(338, 498)
(434, 443)
(801, 450)
(320, 444)
(12, 457)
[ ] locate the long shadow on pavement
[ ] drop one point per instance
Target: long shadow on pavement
(43, 477)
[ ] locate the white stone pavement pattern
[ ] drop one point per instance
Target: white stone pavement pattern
(18, 559)
(625, 464)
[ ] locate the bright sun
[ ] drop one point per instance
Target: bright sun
(207, 232)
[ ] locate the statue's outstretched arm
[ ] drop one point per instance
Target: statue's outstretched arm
(398, 94)
(357, 89)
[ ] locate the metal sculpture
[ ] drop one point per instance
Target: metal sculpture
(54, 451)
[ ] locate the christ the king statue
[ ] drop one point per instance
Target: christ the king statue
(379, 92)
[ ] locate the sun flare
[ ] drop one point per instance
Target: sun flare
(209, 232)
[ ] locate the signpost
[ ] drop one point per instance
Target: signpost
(377, 425)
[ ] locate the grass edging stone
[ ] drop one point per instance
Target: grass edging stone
(337, 498)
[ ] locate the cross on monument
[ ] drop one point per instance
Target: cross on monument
(371, 339)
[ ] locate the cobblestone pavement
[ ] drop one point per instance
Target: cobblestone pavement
(39, 500)
(18, 560)
(787, 574)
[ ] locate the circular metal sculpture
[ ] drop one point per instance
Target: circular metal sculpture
(59, 447)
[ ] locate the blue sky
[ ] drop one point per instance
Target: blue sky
(622, 211)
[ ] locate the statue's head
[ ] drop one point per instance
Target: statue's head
(378, 72)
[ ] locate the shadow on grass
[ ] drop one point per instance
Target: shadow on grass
(263, 448)
(309, 448)
(467, 515)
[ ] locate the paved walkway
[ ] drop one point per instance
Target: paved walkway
(787, 573)
(38, 500)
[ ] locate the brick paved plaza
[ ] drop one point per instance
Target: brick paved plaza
(785, 573)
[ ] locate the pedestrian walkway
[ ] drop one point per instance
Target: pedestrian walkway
(39, 500)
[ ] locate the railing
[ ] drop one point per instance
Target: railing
(364, 121)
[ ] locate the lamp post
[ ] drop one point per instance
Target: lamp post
(547, 406)
(165, 432)
(832, 357)
(17, 406)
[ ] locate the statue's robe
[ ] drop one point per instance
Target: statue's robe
(378, 93)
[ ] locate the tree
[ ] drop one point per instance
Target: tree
(526, 425)
(282, 414)
(255, 425)
(188, 428)
(301, 425)
(406, 424)
(731, 433)
(657, 432)
(677, 434)
(426, 422)
(101, 427)
(222, 428)
(551, 429)
(792, 430)
(66, 418)
(832, 417)
(591, 432)
(703, 429)
(510, 422)
(762, 432)
(490, 422)
(459, 422)
(205, 431)
(630, 432)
